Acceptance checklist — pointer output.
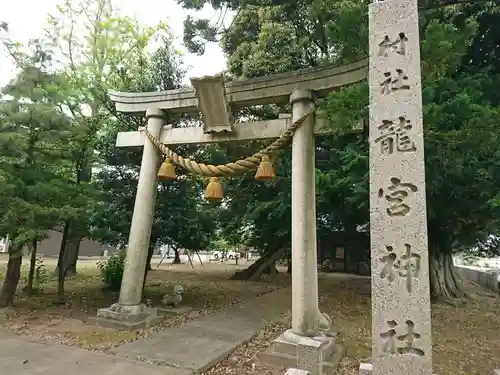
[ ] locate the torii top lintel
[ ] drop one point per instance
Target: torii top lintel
(256, 91)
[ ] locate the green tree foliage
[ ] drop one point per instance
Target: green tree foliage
(460, 138)
(345, 18)
(268, 40)
(182, 219)
(112, 270)
(35, 194)
(459, 46)
(264, 206)
(99, 50)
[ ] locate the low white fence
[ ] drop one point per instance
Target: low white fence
(487, 278)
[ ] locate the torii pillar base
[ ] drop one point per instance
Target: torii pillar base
(126, 318)
(317, 355)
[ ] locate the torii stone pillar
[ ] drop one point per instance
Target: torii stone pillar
(304, 254)
(308, 345)
(130, 311)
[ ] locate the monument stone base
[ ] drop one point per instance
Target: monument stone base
(174, 311)
(123, 317)
(317, 355)
(367, 368)
(296, 371)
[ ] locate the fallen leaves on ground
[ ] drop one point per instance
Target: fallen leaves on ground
(466, 338)
(207, 290)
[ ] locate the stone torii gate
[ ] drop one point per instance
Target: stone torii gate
(215, 99)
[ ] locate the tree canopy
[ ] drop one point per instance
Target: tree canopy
(459, 46)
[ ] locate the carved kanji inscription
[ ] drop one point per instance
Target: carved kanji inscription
(396, 197)
(395, 45)
(406, 266)
(404, 343)
(394, 82)
(394, 136)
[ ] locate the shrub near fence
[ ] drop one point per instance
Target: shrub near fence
(487, 278)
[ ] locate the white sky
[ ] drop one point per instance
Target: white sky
(27, 18)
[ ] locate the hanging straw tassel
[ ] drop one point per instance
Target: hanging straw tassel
(167, 170)
(265, 171)
(213, 191)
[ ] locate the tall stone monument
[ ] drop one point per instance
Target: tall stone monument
(401, 318)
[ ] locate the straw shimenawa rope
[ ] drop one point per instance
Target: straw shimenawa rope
(231, 169)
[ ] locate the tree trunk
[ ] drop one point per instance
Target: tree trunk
(70, 256)
(31, 273)
(271, 270)
(61, 274)
(263, 265)
(83, 172)
(148, 268)
(251, 269)
(150, 256)
(289, 265)
(12, 277)
(445, 283)
(177, 257)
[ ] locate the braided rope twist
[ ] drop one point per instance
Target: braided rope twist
(235, 168)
